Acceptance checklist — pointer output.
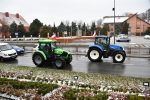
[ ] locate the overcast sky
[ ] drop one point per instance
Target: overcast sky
(50, 11)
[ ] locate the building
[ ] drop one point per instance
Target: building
(7, 19)
(136, 24)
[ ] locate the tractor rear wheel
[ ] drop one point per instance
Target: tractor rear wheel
(94, 54)
(119, 57)
(38, 59)
(59, 63)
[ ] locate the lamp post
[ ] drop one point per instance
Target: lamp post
(114, 21)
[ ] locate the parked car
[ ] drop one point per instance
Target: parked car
(123, 38)
(147, 37)
(19, 50)
(7, 52)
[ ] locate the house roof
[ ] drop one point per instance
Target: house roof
(8, 19)
(118, 19)
(138, 18)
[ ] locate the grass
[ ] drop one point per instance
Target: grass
(91, 78)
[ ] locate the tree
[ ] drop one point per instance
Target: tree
(13, 29)
(54, 29)
(45, 30)
(105, 29)
(74, 28)
(61, 28)
(35, 27)
(98, 30)
(125, 28)
(68, 28)
(84, 28)
(147, 32)
(93, 27)
(21, 30)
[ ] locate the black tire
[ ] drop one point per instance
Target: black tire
(38, 59)
(119, 57)
(69, 60)
(59, 63)
(94, 54)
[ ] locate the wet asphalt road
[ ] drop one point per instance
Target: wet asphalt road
(135, 67)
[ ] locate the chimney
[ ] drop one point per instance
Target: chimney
(7, 14)
(17, 15)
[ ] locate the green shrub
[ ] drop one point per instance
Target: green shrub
(42, 88)
(136, 97)
(71, 94)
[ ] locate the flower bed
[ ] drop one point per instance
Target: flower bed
(88, 86)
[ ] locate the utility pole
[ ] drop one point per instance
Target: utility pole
(114, 21)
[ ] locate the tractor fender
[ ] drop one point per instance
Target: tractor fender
(96, 46)
(42, 53)
(118, 51)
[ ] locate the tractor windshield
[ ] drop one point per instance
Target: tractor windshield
(101, 41)
(54, 45)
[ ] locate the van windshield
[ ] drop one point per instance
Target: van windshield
(5, 47)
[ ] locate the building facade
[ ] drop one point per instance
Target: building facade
(136, 24)
(7, 19)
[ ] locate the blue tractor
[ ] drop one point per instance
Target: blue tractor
(103, 48)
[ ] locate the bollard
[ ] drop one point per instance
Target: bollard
(31, 37)
(76, 48)
(9, 38)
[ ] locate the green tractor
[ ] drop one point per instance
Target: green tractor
(47, 51)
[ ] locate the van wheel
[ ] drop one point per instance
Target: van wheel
(38, 59)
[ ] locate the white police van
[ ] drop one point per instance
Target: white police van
(7, 52)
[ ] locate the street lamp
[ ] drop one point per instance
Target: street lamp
(114, 21)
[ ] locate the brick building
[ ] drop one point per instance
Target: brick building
(136, 24)
(7, 19)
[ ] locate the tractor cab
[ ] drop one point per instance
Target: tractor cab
(103, 41)
(47, 46)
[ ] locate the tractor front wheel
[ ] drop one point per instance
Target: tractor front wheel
(94, 54)
(119, 57)
(38, 59)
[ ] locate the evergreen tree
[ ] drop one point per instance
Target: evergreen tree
(21, 30)
(93, 27)
(45, 30)
(61, 28)
(13, 29)
(74, 28)
(84, 28)
(68, 29)
(35, 27)
(125, 28)
(54, 29)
